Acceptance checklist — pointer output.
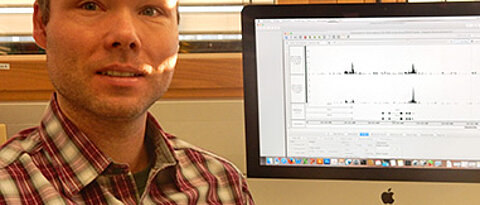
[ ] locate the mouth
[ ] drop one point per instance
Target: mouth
(120, 74)
(121, 71)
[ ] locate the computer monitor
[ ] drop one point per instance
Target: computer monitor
(387, 92)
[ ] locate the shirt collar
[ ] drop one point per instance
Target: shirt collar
(78, 161)
(164, 153)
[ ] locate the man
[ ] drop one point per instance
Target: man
(109, 61)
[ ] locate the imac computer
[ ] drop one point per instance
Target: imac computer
(364, 96)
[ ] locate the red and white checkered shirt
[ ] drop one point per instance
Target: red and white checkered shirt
(55, 163)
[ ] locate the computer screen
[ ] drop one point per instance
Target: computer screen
(373, 92)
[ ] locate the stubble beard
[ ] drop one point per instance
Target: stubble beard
(111, 110)
(94, 105)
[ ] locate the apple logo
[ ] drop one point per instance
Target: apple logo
(387, 197)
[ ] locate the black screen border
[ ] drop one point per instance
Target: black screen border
(252, 12)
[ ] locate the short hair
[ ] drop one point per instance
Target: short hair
(44, 6)
(45, 9)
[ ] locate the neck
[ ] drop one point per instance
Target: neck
(123, 140)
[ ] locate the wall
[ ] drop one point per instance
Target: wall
(212, 124)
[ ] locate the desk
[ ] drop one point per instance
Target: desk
(3, 133)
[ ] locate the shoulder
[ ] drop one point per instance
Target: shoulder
(25, 142)
(187, 153)
(198, 165)
(17, 168)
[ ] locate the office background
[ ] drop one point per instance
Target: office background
(204, 105)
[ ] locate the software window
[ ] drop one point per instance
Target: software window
(360, 91)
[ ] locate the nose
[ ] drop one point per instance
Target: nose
(123, 34)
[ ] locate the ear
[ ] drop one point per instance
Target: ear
(39, 32)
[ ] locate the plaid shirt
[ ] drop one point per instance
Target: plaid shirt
(55, 163)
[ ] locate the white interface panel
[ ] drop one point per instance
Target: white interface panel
(370, 91)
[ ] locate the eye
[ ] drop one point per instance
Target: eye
(91, 6)
(150, 11)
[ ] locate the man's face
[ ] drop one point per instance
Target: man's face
(112, 58)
